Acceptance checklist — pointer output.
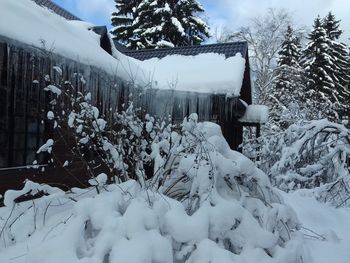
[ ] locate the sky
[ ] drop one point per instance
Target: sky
(231, 14)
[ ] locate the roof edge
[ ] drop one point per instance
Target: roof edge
(187, 47)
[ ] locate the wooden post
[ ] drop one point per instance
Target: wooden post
(258, 130)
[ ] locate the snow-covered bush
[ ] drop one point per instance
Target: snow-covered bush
(213, 205)
(307, 155)
(117, 143)
(133, 135)
(18, 221)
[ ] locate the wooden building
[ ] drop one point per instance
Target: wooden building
(24, 103)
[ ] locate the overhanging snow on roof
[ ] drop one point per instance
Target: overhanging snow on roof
(204, 73)
(215, 68)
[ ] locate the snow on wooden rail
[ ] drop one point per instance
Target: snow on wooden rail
(255, 114)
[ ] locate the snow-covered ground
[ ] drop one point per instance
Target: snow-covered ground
(231, 214)
(331, 223)
(317, 219)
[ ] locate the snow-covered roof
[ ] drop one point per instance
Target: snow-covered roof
(206, 73)
(214, 68)
(32, 24)
(255, 114)
(226, 49)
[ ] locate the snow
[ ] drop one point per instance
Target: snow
(100, 180)
(127, 223)
(255, 114)
(47, 147)
(50, 115)
(31, 187)
(58, 70)
(178, 25)
(309, 154)
(164, 43)
(53, 89)
(207, 73)
(332, 224)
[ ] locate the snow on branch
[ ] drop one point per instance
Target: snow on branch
(311, 154)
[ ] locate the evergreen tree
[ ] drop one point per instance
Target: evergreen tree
(331, 25)
(322, 95)
(340, 56)
(162, 23)
(288, 89)
(122, 20)
(289, 53)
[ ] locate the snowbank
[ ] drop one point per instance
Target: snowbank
(207, 73)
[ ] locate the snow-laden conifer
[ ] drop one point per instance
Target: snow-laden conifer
(122, 20)
(288, 89)
(326, 63)
(341, 67)
(155, 24)
(322, 95)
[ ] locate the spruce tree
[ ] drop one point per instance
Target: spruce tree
(289, 53)
(288, 87)
(322, 94)
(162, 23)
(341, 68)
(331, 25)
(122, 20)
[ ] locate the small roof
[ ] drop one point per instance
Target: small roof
(57, 9)
(227, 49)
